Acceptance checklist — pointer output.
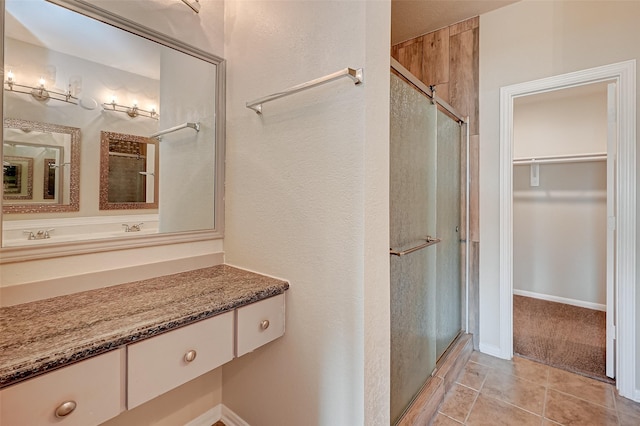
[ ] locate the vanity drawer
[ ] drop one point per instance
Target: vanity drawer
(164, 362)
(259, 323)
(95, 386)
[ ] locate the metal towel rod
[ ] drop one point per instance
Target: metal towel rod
(429, 241)
(194, 126)
(356, 75)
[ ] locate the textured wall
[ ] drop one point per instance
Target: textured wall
(307, 200)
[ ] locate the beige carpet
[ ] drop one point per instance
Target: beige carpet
(563, 336)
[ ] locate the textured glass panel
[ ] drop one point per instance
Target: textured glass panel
(448, 288)
(412, 218)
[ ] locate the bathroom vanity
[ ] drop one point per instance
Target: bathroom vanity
(88, 356)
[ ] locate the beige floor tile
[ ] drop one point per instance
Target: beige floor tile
(628, 407)
(527, 369)
(582, 387)
(547, 422)
(473, 375)
(627, 420)
(488, 360)
(442, 420)
(569, 410)
(515, 390)
(458, 402)
(492, 412)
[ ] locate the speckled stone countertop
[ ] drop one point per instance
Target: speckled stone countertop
(41, 336)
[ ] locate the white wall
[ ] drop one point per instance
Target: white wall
(559, 226)
(307, 200)
(526, 41)
(559, 230)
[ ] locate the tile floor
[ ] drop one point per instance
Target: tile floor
(492, 391)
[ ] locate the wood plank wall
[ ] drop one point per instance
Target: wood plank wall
(449, 59)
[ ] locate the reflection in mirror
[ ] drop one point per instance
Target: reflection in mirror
(17, 177)
(41, 167)
(128, 172)
(118, 78)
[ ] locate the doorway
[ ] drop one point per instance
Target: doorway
(624, 295)
(561, 201)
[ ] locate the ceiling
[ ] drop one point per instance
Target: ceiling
(412, 18)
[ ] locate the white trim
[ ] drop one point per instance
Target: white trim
(558, 299)
(624, 74)
(492, 350)
(219, 412)
(207, 418)
(229, 418)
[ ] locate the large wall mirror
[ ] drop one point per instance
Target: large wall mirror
(108, 125)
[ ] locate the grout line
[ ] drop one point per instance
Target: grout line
(473, 404)
(585, 400)
(514, 405)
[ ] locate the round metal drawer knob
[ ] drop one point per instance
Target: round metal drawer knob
(190, 356)
(65, 409)
(264, 324)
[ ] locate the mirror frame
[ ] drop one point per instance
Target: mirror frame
(53, 250)
(104, 203)
(74, 184)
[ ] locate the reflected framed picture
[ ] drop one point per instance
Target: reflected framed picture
(17, 177)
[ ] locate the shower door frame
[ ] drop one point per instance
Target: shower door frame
(430, 92)
(464, 141)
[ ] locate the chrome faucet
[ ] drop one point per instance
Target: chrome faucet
(132, 228)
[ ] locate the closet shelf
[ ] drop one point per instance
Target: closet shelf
(577, 158)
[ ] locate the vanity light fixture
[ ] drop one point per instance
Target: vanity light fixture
(132, 111)
(193, 4)
(40, 93)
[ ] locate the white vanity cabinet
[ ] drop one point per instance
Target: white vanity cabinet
(159, 364)
(259, 323)
(86, 393)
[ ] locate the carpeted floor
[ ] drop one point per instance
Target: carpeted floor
(563, 336)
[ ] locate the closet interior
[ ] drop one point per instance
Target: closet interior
(561, 241)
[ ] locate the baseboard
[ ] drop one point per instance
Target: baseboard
(492, 350)
(558, 299)
(207, 418)
(219, 412)
(229, 418)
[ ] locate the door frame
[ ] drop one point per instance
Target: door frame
(624, 75)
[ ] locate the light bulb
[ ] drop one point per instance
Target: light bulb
(10, 76)
(135, 104)
(113, 99)
(41, 82)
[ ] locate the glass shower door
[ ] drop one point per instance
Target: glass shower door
(413, 190)
(425, 201)
(449, 283)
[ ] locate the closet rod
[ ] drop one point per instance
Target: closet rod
(578, 158)
(354, 74)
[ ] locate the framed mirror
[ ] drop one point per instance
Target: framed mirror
(119, 79)
(41, 167)
(128, 172)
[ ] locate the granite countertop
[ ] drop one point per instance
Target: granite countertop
(41, 336)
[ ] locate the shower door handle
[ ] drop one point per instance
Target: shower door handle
(429, 241)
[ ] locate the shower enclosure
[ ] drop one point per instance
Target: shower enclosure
(426, 225)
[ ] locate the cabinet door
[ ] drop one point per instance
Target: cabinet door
(260, 323)
(164, 362)
(84, 394)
